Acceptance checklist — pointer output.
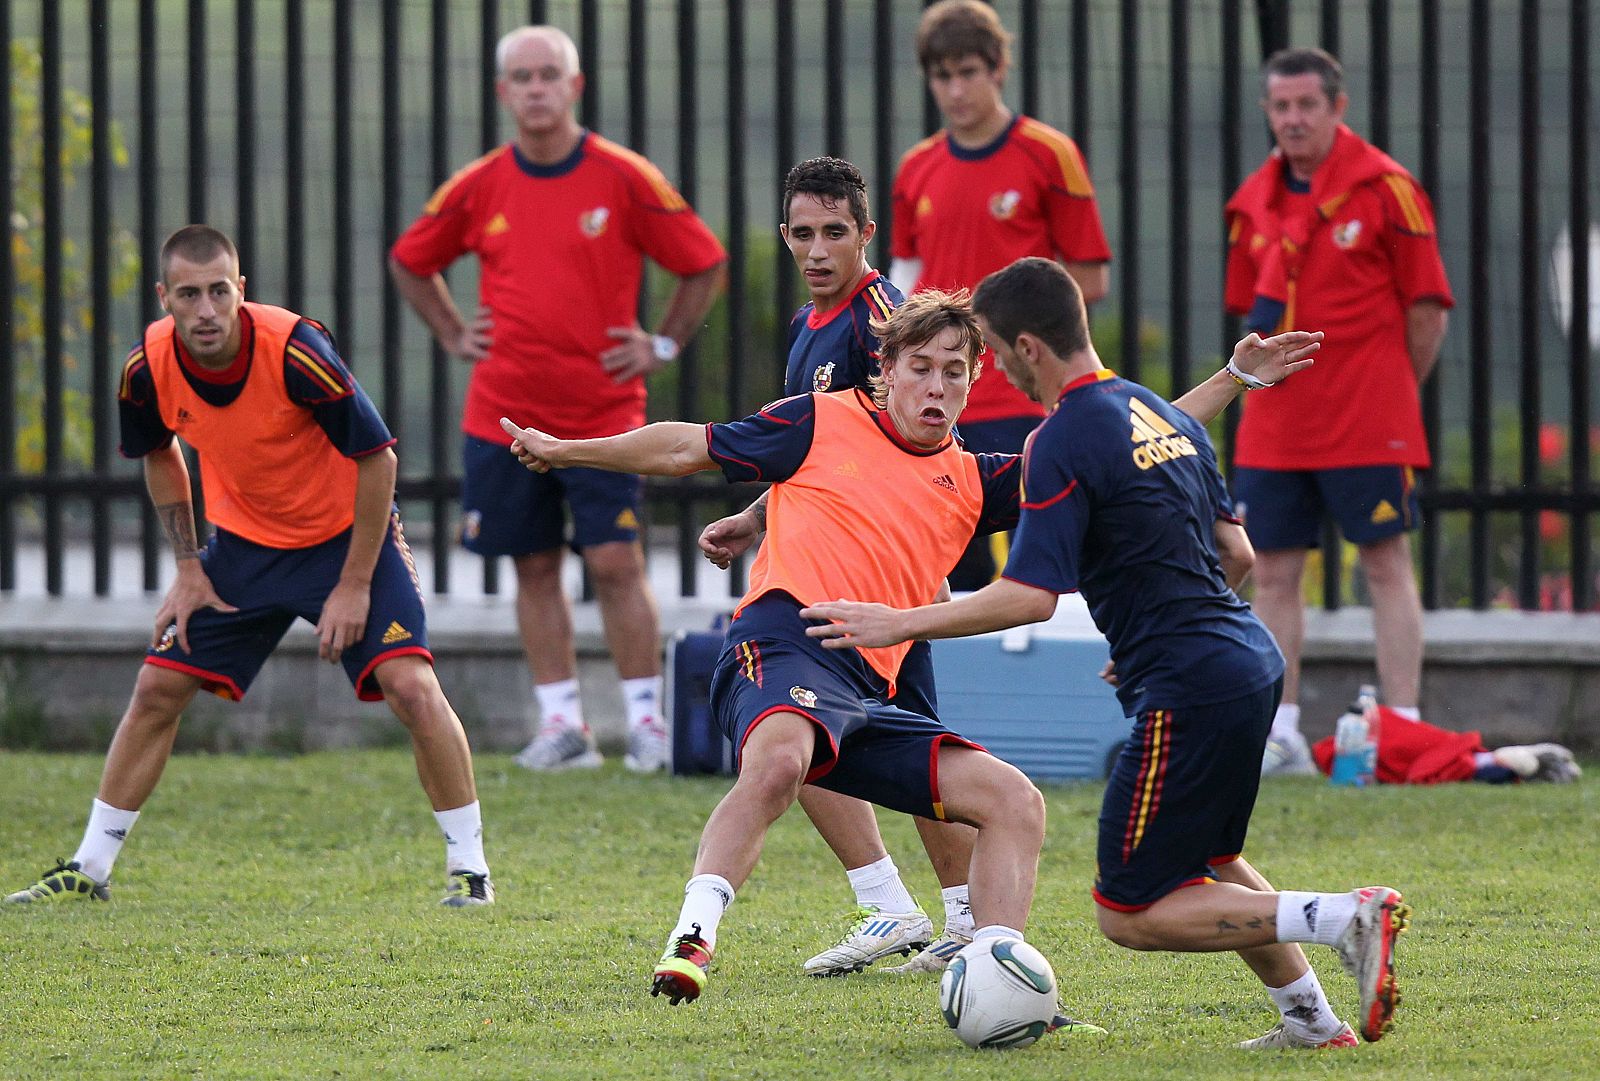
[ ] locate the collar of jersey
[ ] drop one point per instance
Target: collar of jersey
(560, 168)
(236, 370)
(1293, 184)
(886, 425)
(816, 320)
(1098, 376)
(979, 153)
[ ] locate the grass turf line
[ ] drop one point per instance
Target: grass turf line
(278, 918)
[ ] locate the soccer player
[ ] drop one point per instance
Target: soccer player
(561, 221)
(298, 474)
(991, 187)
(827, 225)
(1122, 500)
(871, 493)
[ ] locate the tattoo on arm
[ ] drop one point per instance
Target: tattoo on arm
(177, 520)
(758, 511)
(1223, 927)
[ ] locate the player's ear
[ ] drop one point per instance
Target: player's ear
(869, 232)
(241, 287)
(161, 296)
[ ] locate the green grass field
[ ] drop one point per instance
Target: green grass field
(277, 918)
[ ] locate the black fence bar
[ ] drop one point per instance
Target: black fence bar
(783, 95)
(1128, 191)
(244, 132)
(1378, 35)
(1328, 32)
(1028, 32)
(344, 320)
(8, 358)
(390, 334)
(1582, 352)
(834, 60)
(589, 59)
(1178, 195)
(1432, 396)
(739, 358)
(294, 155)
(149, 226)
(488, 137)
(52, 361)
(881, 182)
(1232, 174)
(1530, 398)
(1480, 351)
(1078, 77)
(639, 76)
(101, 360)
(439, 165)
(689, 180)
(198, 99)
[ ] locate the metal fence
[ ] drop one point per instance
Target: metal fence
(313, 131)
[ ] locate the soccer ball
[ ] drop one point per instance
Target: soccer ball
(998, 992)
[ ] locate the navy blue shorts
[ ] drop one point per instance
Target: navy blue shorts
(1179, 799)
(866, 747)
(1284, 508)
(509, 510)
(273, 586)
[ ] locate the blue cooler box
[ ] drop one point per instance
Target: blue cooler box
(696, 744)
(1034, 697)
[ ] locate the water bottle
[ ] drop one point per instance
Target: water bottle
(1355, 741)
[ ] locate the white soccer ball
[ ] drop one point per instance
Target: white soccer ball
(998, 992)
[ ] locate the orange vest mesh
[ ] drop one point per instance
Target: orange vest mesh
(267, 469)
(864, 519)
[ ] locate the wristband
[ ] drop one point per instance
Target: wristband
(1244, 378)
(665, 348)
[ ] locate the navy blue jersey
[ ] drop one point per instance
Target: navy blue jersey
(1120, 497)
(837, 350)
(314, 374)
(771, 446)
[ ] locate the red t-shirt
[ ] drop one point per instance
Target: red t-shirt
(1360, 250)
(967, 213)
(561, 250)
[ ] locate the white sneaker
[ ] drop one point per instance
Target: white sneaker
(1288, 756)
(558, 747)
(1366, 950)
(1281, 1039)
(1539, 762)
(873, 934)
(934, 959)
(647, 746)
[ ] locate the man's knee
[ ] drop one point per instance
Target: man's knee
(410, 687)
(777, 757)
(1387, 563)
(1278, 571)
(538, 572)
(160, 695)
(989, 792)
(1126, 929)
(616, 566)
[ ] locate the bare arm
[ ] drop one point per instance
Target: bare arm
(666, 449)
(1268, 360)
(728, 538)
(1094, 279)
(431, 299)
(344, 613)
(166, 475)
(1235, 552)
(1426, 322)
(998, 605)
(691, 299)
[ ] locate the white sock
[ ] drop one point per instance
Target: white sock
(1285, 722)
(463, 839)
(705, 899)
(996, 930)
(1305, 1008)
(560, 704)
(957, 910)
(1410, 713)
(642, 699)
(1314, 917)
(102, 839)
(878, 886)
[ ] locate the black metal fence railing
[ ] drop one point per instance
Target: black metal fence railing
(314, 129)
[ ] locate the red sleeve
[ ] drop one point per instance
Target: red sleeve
(1070, 206)
(440, 235)
(1239, 292)
(1413, 243)
(665, 227)
(903, 223)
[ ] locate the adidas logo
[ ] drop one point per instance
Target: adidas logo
(184, 416)
(1310, 911)
(1155, 440)
(121, 835)
(848, 469)
(496, 226)
(395, 633)
(880, 928)
(1384, 512)
(627, 519)
(944, 481)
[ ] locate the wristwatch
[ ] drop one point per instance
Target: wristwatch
(665, 348)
